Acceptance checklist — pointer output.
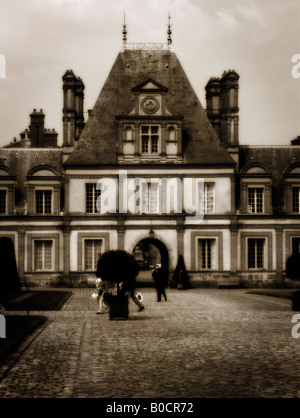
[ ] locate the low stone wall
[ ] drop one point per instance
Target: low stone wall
(44, 280)
(241, 280)
(197, 280)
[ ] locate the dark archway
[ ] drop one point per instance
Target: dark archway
(9, 278)
(148, 252)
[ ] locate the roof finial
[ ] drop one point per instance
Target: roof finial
(124, 31)
(169, 31)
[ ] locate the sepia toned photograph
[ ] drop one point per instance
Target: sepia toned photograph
(149, 201)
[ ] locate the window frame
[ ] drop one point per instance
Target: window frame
(43, 269)
(90, 235)
(149, 134)
(153, 196)
(210, 253)
(4, 189)
(95, 195)
(292, 197)
(94, 260)
(218, 255)
(263, 264)
(43, 190)
(205, 205)
(255, 187)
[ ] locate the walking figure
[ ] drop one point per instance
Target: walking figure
(161, 282)
(129, 290)
(101, 288)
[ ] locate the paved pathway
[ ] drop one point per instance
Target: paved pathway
(201, 343)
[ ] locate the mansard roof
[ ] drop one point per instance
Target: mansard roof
(134, 70)
(280, 160)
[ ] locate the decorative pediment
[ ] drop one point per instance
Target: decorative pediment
(150, 86)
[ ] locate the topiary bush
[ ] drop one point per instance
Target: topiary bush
(117, 266)
(9, 278)
(180, 275)
(293, 267)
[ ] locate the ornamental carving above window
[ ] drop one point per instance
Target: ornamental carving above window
(150, 105)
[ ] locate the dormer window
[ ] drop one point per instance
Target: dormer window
(256, 186)
(150, 135)
(149, 131)
(255, 200)
(44, 186)
(43, 202)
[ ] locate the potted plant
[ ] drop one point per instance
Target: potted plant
(118, 267)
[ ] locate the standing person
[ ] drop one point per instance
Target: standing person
(160, 282)
(130, 292)
(101, 288)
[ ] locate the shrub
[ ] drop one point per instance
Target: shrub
(117, 266)
(293, 267)
(180, 274)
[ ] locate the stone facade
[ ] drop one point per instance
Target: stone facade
(156, 152)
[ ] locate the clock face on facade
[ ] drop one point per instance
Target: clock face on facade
(150, 104)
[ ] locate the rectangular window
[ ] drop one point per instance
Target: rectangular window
(256, 253)
(92, 195)
(255, 200)
(296, 245)
(144, 197)
(150, 139)
(296, 199)
(92, 252)
(154, 197)
(206, 198)
(149, 194)
(43, 255)
(43, 202)
(3, 201)
(206, 254)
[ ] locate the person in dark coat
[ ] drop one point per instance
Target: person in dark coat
(160, 282)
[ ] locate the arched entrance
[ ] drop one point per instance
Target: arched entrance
(148, 252)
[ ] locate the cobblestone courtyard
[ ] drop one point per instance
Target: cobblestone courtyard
(201, 343)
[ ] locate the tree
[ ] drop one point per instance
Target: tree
(117, 266)
(180, 276)
(293, 267)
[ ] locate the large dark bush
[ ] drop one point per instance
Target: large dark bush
(180, 275)
(117, 266)
(293, 267)
(9, 278)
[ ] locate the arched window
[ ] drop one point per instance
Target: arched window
(43, 195)
(256, 185)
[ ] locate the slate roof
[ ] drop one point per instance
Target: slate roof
(97, 144)
(277, 160)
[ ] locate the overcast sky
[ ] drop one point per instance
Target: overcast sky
(41, 39)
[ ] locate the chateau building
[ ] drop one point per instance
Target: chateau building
(154, 173)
